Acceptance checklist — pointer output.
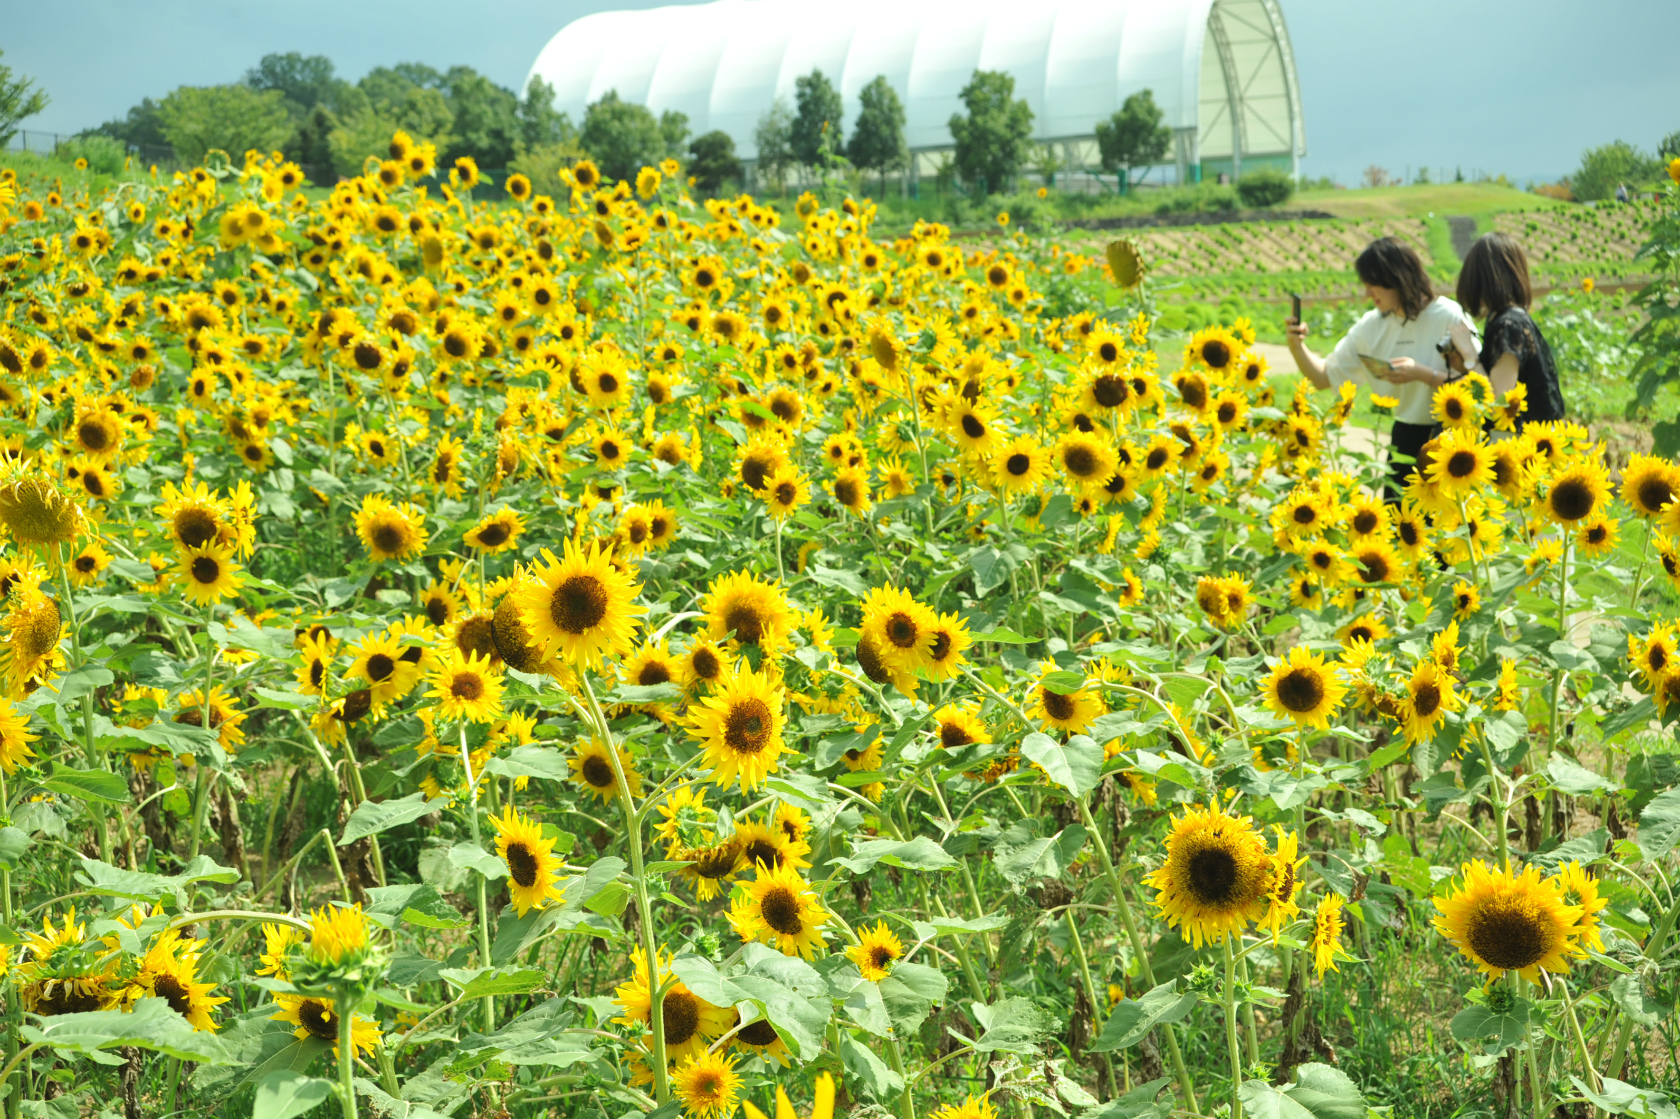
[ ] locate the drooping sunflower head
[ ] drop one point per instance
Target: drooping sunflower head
(37, 511)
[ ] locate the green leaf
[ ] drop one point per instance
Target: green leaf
(371, 818)
(1497, 1031)
(921, 853)
(1139, 1103)
(1326, 1092)
(1261, 1100)
(1134, 1018)
(151, 1025)
(646, 693)
(531, 761)
(1618, 1097)
(1076, 766)
(1575, 779)
(839, 579)
(514, 933)
(481, 982)
(1638, 1002)
(872, 1072)
(96, 785)
(953, 926)
(416, 903)
(139, 885)
(1040, 858)
(13, 843)
(286, 1094)
(1015, 1025)
(78, 682)
(1063, 683)
(1003, 636)
(469, 857)
(910, 992)
(285, 700)
(1659, 825)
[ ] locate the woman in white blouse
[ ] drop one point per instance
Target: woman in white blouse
(1404, 328)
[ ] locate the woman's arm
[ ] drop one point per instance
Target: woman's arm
(1503, 374)
(1309, 363)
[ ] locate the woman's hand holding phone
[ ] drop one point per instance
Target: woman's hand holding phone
(1402, 370)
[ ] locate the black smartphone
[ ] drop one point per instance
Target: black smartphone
(1295, 305)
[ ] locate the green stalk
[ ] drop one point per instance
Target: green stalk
(1231, 1028)
(906, 1102)
(94, 761)
(347, 1049)
(1563, 631)
(483, 901)
(203, 779)
(1090, 989)
(1653, 951)
(1496, 798)
(644, 910)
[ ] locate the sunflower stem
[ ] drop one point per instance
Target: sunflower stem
(638, 878)
(201, 782)
(781, 574)
(346, 1012)
(1139, 951)
(1090, 991)
(483, 902)
(906, 1102)
(1231, 1028)
(174, 1088)
(93, 759)
(1496, 798)
(1563, 635)
(1653, 951)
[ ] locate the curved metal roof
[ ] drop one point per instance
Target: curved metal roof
(1222, 68)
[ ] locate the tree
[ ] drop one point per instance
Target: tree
(539, 122)
(774, 137)
(712, 161)
(878, 136)
(1604, 167)
(19, 99)
(484, 119)
(303, 80)
(674, 127)
(233, 118)
(1134, 136)
(142, 128)
(621, 136)
(815, 132)
(992, 139)
(1669, 146)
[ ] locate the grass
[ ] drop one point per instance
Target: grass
(1468, 199)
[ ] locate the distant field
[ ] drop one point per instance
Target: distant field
(1469, 199)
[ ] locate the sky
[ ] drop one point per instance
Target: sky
(1446, 84)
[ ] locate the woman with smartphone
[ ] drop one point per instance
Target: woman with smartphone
(1493, 286)
(1396, 341)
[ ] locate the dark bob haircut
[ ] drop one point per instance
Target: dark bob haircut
(1387, 263)
(1495, 276)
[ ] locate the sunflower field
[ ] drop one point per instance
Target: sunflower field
(609, 653)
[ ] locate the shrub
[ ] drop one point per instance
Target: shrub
(1265, 187)
(103, 154)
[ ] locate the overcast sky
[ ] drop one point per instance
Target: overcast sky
(1514, 86)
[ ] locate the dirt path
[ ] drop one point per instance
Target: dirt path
(1463, 234)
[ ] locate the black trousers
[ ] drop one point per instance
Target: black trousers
(1405, 439)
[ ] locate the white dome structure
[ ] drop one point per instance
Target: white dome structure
(1221, 71)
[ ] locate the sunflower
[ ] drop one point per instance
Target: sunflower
(1215, 877)
(317, 650)
(971, 1108)
(762, 457)
(496, 532)
(769, 845)
(1503, 922)
(1430, 694)
(707, 1085)
(1596, 538)
(1073, 711)
(1581, 889)
(900, 627)
(785, 491)
(64, 972)
(379, 660)
(592, 769)
(779, 908)
(876, 951)
(1648, 484)
(34, 629)
(14, 738)
(440, 603)
(466, 687)
(37, 511)
(1285, 883)
(533, 867)
(1366, 627)
(1375, 562)
(1657, 654)
(1086, 460)
(759, 1037)
(1462, 462)
(950, 638)
(1215, 348)
(169, 971)
(973, 426)
(739, 727)
(1304, 688)
(690, 1021)
(580, 607)
(318, 1018)
(746, 610)
(208, 574)
(851, 490)
(390, 531)
(703, 663)
(1326, 941)
(1020, 466)
(1579, 487)
(1454, 406)
(226, 719)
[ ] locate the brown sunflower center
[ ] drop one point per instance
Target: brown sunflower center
(1216, 353)
(902, 630)
(973, 426)
(746, 621)
(318, 1020)
(597, 771)
(1507, 934)
(781, 911)
(1365, 522)
(706, 664)
(1461, 464)
(758, 1033)
(205, 570)
(1156, 459)
(747, 728)
(1572, 499)
(1109, 391)
(880, 956)
(1300, 690)
(437, 610)
(493, 535)
(680, 1013)
(93, 435)
(954, 735)
(522, 864)
(1080, 461)
(172, 990)
(846, 492)
(467, 686)
(1058, 707)
(1426, 699)
(578, 604)
(195, 527)
(652, 673)
(1654, 492)
(1213, 876)
(388, 537)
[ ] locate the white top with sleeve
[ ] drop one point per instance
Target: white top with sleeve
(1390, 336)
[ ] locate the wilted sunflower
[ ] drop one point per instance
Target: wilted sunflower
(390, 531)
(37, 511)
(533, 868)
(580, 607)
(876, 951)
(689, 1020)
(466, 687)
(592, 769)
(1215, 877)
(779, 908)
(1503, 922)
(739, 727)
(34, 629)
(1304, 688)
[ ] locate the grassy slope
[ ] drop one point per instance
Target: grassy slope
(1469, 199)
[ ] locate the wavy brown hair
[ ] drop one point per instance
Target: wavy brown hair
(1387, 263)
(1495, 276)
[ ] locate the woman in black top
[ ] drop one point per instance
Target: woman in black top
(1493, 286)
